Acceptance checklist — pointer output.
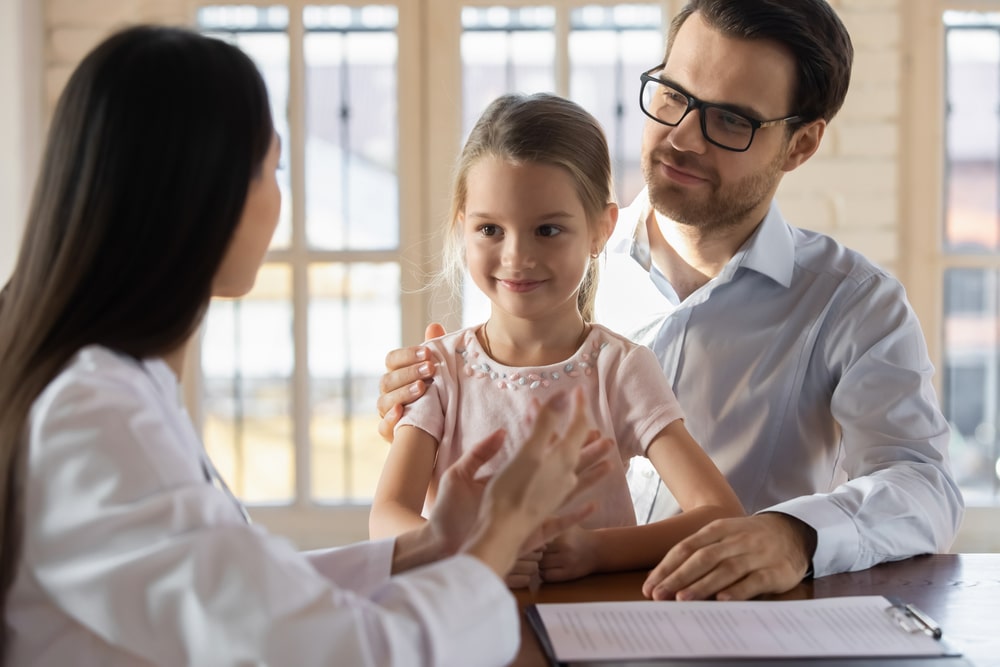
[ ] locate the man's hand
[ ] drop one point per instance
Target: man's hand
(735, 559)
(408, 372)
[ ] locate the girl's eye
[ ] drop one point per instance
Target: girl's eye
(549, 230)
(489, 230)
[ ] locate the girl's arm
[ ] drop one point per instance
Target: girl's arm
(701, 490)
(402, 488)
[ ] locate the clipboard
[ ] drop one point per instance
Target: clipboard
(907, 617)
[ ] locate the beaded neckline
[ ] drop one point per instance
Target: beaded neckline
(480, 366)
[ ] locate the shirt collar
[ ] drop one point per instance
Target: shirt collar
(163, 377)
(770, 250)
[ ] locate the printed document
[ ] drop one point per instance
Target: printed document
(828, 627)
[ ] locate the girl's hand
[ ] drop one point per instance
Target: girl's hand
(569, 556)
(525, 570)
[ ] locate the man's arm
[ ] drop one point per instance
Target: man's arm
(900, 498)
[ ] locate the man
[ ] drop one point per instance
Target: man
(800, 366)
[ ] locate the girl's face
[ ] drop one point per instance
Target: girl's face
(238, 271)
(527, 237)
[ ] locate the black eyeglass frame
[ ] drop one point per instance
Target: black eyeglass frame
(694, 103)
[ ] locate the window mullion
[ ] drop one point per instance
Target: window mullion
(301, 411)
(561, 33)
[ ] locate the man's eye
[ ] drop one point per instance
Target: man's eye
(674, 98)
(734, 122)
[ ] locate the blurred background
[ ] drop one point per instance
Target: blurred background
(373, 101)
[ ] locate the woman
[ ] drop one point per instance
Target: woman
(119, 546)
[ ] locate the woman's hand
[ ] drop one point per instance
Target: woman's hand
(460, 495)
(461, 520)
(521, 504)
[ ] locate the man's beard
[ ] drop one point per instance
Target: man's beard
(725, 206)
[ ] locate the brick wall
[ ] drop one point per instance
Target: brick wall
(850, 189)
(74, 27)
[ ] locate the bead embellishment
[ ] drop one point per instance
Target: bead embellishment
(582, 363)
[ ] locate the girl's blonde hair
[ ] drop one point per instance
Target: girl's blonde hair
(542, 129)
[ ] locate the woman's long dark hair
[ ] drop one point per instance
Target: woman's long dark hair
(150, 154)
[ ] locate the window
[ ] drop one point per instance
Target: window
(515, 48)
(289, 373)
(970, 247)
(952, 213)
(372, 122)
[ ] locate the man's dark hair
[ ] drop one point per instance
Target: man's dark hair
(809, 29)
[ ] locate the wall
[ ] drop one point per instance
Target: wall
(852, 189)
(73, 27)
(20, 75)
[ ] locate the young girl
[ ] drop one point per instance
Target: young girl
(120, 546)
(531, 213)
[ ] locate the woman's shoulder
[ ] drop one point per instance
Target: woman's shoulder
(99, 372)
(107, 412)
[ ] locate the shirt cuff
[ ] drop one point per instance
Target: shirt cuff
(473, 611)
(360, 568)
(837, 540)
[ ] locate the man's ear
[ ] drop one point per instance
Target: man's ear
(804, 143)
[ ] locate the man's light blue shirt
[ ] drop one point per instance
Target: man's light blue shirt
(803, 372)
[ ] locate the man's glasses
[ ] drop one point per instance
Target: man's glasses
(665, 103)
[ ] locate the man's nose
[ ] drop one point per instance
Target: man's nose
(687, 135)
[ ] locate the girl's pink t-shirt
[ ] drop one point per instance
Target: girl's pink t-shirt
(472, 396)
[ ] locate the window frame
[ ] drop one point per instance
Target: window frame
(922, 155)
(308, 523)
(429, 34)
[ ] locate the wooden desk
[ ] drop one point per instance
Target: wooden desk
(960, 592)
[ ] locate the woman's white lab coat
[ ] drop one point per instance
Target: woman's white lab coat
(132, 555)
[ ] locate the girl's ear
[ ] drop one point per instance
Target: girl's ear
(605, 227)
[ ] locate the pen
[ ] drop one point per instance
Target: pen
(931, 627)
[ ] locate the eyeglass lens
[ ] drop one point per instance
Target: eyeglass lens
(721, 126)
